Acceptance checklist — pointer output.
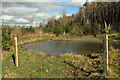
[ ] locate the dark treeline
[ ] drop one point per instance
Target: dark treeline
(89, 20)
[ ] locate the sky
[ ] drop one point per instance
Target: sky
(34, 12)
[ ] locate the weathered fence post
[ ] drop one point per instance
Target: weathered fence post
(105, 53)
(16, 51)
(107, 50)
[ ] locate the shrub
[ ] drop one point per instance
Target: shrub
(6, 39)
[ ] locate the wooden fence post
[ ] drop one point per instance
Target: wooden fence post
(105, 53)
(16, 51)
(107, 50)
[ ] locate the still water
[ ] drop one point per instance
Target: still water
(59, 47)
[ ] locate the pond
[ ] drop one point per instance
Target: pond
(59, 47)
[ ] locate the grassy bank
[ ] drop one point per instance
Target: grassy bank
(69, 65)
(41, 65)
(24, 40)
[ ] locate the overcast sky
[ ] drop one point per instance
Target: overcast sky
(23, 12)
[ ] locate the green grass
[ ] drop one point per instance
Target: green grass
(35, 65)
(41, 65)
